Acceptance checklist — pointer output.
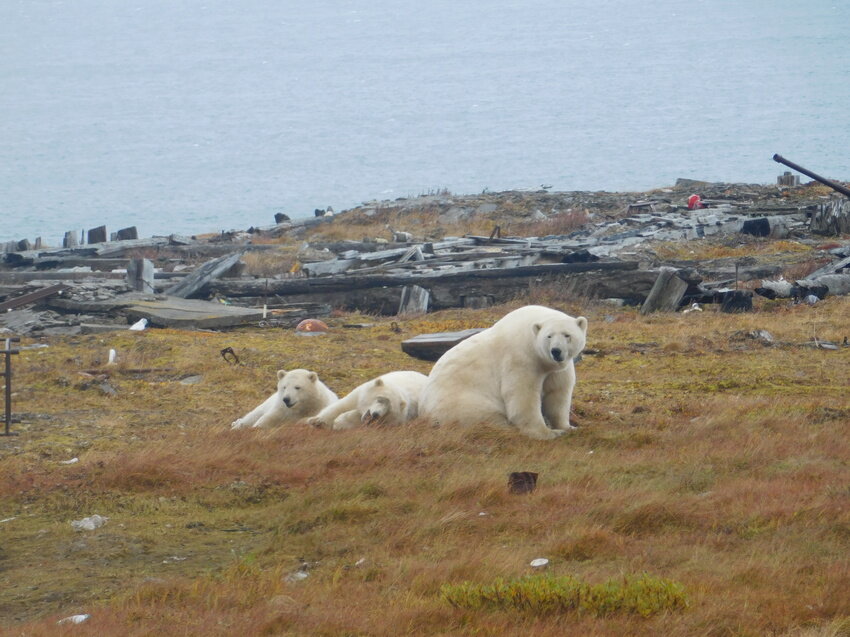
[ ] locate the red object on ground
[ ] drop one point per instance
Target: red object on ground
(694, 202)
(311, 325)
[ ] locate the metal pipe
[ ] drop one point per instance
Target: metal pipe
(826, 182)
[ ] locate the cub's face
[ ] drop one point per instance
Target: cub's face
(559, 341)
(295, 386)
(383, 402)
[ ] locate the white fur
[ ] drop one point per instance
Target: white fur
(508, 374)
(391, 399)
(299, 394)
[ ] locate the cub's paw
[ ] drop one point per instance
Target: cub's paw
(315, 421)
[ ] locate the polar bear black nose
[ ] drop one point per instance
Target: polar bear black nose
(287, 401)
(557, 354)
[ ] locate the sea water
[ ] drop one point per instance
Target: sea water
(204, 115)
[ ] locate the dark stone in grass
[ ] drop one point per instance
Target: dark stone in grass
(520, 482)
(736, 301)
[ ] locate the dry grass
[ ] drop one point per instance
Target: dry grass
(708, 461)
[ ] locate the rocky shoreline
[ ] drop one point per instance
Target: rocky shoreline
(425, 253)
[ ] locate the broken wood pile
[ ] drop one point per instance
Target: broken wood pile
(104, 285)
(832, 279)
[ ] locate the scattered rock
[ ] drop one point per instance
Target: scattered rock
(90, 523)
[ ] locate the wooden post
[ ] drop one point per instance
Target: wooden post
(140, 275)
(125, 234)
(7, 374)
(97, 235)
(666, 293)
(70, 239)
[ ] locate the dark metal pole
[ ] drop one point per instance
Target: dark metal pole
(826, 182)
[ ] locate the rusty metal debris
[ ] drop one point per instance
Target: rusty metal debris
(230, 356)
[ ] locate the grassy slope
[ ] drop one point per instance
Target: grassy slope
(718, 463)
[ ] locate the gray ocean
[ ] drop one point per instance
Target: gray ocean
(195, 116)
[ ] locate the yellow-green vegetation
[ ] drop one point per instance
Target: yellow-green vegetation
(643, 595)
(704, 457)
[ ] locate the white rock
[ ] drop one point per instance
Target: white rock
(90, 523)
(539, 562)
(74, 619)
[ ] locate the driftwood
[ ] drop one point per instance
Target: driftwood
(414, 300)
(140, 275)
(430, 347)
(666, 292)
(203, 275)
(832, 218)
(32, 297)
(191, 314)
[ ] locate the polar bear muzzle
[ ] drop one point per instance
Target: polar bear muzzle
(557, 354)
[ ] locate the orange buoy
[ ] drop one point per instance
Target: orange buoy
(311, 326)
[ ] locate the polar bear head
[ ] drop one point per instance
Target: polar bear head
(298, 385)
(559, 340)
(383, 403)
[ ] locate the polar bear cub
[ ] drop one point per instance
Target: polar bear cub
(390, 399)
(299, 394)
(519, 372)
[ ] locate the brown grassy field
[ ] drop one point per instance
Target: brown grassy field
(704, 459)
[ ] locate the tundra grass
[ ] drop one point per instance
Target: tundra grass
(713, 462)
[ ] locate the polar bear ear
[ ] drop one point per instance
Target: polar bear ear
(312, 376)
(281, 373)
(536, 328)
(582, 324)
(379, 382)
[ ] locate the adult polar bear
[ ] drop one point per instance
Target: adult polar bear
(518, 372)
(391, 399)
(299, 394)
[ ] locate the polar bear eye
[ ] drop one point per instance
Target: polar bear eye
(297, 387)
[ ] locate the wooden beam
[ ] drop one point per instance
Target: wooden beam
(32, 297)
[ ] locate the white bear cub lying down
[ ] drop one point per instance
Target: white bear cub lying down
(518, 372)
(391, 399)
(299, 394)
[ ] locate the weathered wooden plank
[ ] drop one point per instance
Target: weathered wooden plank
(666, 293)
(285, 287)
(192, 314)
(32, 297)
(140, 275)
(203, 275)
(414, 300)
(430, 347)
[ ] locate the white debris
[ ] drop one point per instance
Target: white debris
(74, 619)
(112, 356)
(14, 517)
(90, 523)
(139, 325)
(71, 461)
(297, 576)
(694, 308)
(540, 562)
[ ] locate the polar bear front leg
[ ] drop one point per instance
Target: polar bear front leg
(328, 416)
(523, 411)
(348, 420)
(250, 419)
(557, 398)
